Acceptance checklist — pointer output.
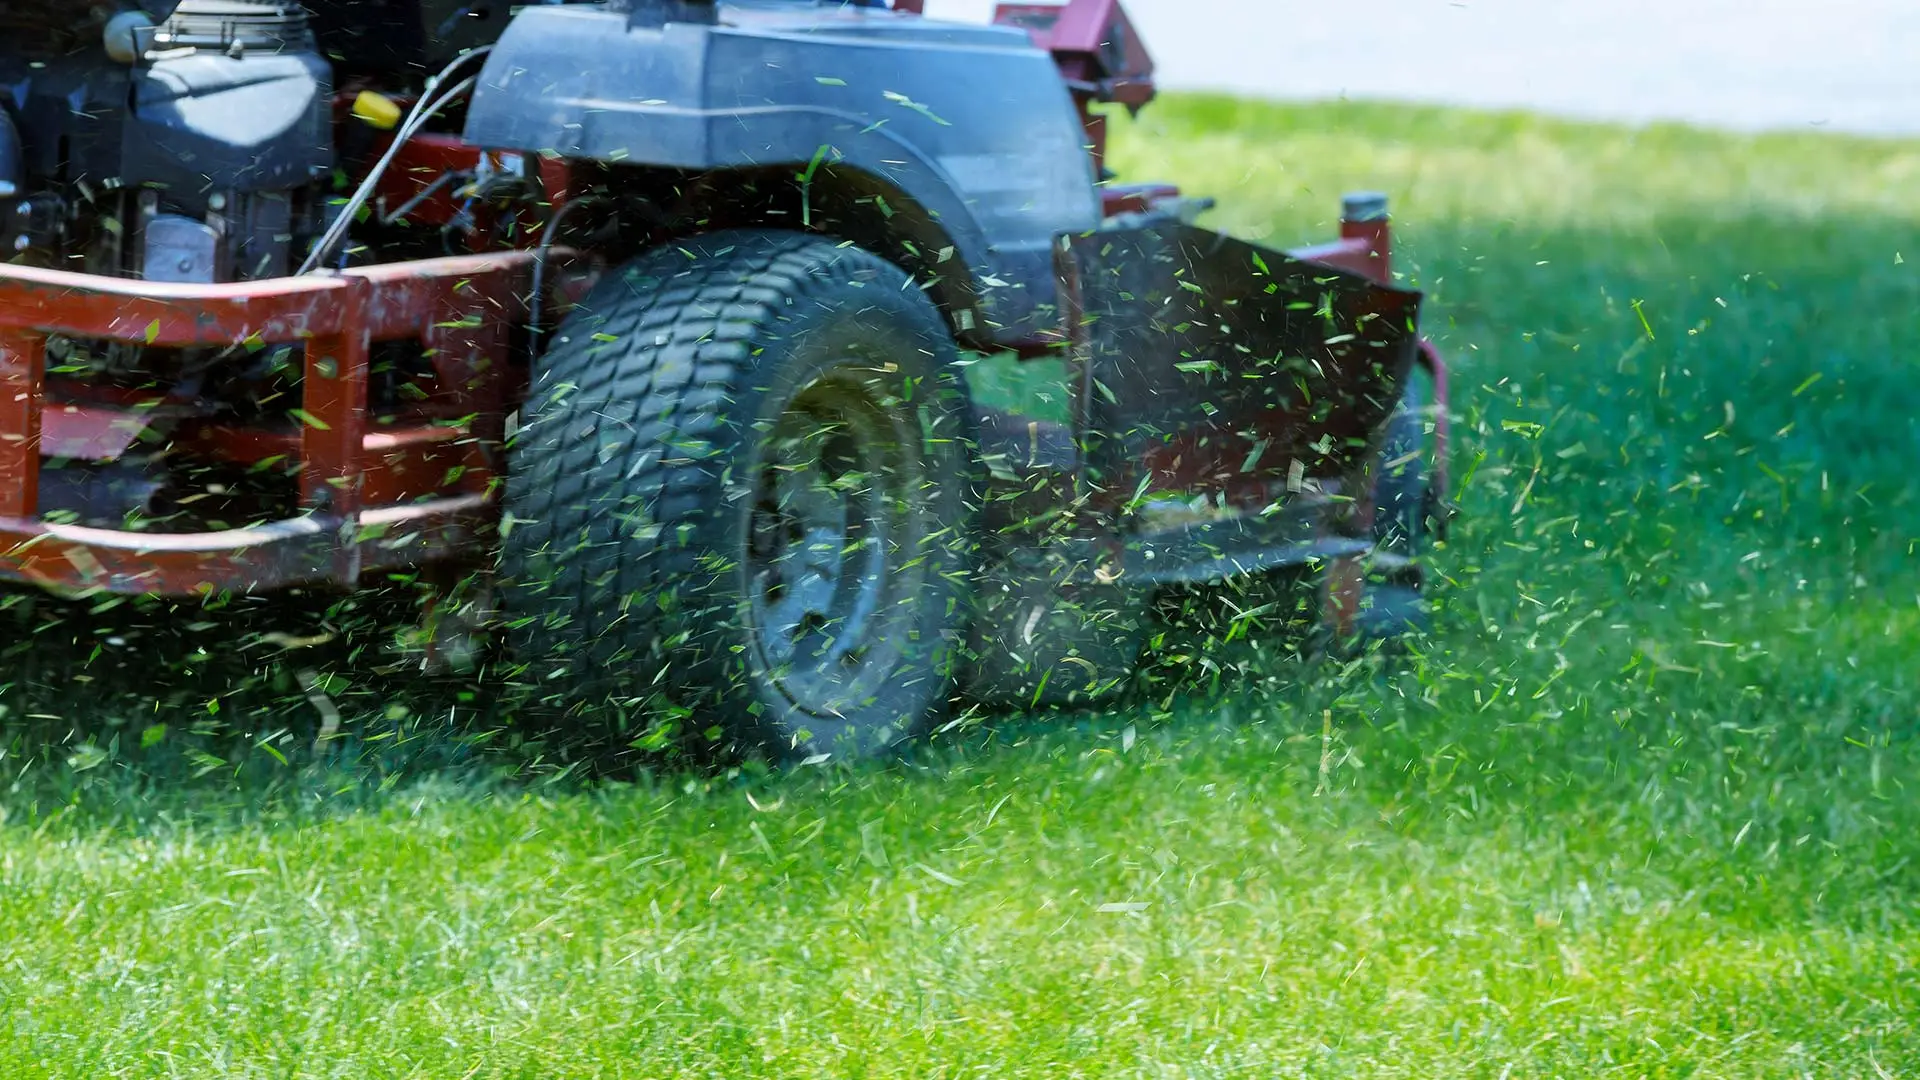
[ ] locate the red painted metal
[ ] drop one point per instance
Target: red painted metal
(88, 432)
(1099, 54)
(371, 498)
(294, 551)
(334, 407)
(420, 164)
(22, 372)
(399, 463)
(1366, 247)
(1363, 248)
(1095, 125)
(170, 316)
(1095, 43)
(1375, 238)
(556, 180)
(429, 157)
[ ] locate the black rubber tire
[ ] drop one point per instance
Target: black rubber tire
(640, 513)
(1405, 509)
(1401, 500)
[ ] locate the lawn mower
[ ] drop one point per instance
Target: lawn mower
(798, 366)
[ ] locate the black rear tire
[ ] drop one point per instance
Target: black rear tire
(741, 491)
(1402, 501)
(1404, 522)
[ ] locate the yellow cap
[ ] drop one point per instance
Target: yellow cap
(378, 110)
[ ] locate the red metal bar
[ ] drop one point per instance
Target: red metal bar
(458, 307)
(333, 424)
(1354, 256)
(472, 303)
(402, 291)
(398, 464)
(275, 310)
(334, 404)
(274, 555)
(173, 316)
(88, 432)
(470, 368)
(1366, 240)
(22, 370)
(414, 463)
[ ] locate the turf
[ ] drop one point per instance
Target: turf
(1645, 806)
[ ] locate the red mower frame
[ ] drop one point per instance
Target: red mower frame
(407, 490)
(372, 496)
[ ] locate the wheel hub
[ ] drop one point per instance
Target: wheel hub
(829, 519)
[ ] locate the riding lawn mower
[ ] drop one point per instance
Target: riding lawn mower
(672, 337)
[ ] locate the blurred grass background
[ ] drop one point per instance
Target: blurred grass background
(1646, 804)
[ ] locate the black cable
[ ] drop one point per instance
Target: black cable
(422, 111)
(538, 300)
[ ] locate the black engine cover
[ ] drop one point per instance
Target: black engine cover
(210, 122)
(221, 105)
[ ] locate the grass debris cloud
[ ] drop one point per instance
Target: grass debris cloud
(1644, 804)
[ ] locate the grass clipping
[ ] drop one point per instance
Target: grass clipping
(1644, 805)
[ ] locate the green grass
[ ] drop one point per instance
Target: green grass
(1647, 807)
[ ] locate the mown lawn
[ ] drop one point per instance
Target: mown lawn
(1649, 805)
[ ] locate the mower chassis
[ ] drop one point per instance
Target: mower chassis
(371, 497)
(376, 498)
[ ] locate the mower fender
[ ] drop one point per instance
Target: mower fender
(971, 123)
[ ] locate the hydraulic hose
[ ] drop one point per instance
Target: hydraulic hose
(423, 110)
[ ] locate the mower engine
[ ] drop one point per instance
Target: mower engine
(185, 143)
(181, 148)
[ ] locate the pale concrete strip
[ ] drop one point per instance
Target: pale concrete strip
(1844, 65)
